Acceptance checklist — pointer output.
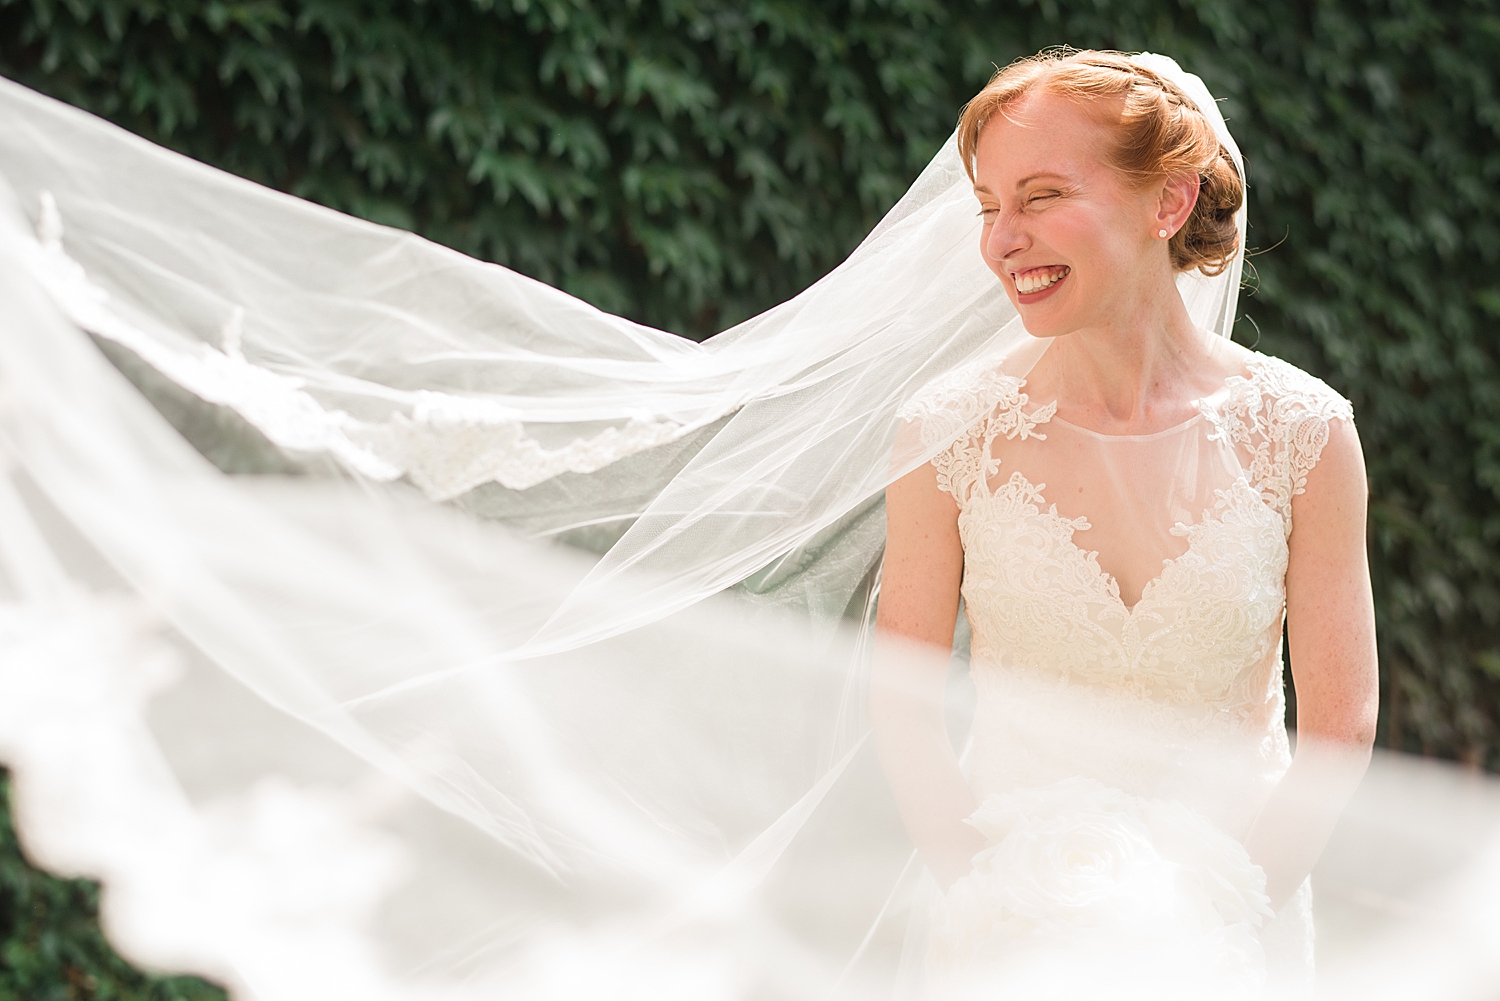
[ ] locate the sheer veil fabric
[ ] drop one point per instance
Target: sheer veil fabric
(377, 622)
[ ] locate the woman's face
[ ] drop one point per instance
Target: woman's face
(1073, 244)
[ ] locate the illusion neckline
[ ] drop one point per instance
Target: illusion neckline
(1104, 580)
(1210, 400)
(1174, 429)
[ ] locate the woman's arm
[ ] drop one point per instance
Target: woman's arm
(919, 590)
(1331, 633)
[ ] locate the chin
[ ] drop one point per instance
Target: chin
(1047, 328)
(1052, 317)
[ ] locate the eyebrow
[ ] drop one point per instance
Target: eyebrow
(1031, 177)
(1023, 181)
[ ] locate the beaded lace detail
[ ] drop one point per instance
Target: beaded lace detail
(1206, 631)
(1280, 415)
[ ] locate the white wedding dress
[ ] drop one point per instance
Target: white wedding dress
(1125, 597)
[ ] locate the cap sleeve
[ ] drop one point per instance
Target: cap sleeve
(958, 414)
(1280, 415)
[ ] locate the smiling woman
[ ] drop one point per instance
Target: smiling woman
(1118, 522)
(1149, 132)
(1070, 146)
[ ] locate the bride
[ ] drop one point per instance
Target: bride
(332, 716)
(1127, 519)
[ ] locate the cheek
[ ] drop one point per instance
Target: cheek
(1100, 245)
(1077, 234)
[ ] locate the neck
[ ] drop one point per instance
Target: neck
(1142, 369)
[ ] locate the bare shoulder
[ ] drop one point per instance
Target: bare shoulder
(1330, 500)
(918, 497)
(924, 559)
(1339, 472)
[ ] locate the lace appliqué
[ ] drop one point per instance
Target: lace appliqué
(966, 411)
(1200, 648)
(449, 445)
(446, 445)
(1278, 415)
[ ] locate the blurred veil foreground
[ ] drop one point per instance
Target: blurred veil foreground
(379, 623)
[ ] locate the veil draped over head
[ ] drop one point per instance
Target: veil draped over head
(521, 647)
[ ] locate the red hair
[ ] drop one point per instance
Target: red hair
(1160, 132)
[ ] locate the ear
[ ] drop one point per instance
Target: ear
(1175, 201)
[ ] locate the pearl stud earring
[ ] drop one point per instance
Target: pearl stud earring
(1162, 233)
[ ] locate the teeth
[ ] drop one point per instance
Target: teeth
(1035, 281)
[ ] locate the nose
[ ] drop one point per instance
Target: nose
(1004, 238)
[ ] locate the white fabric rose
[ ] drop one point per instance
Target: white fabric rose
(1110, 887)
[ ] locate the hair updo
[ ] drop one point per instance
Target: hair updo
(1161, 131)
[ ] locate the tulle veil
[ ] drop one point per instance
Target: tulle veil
(381, 623)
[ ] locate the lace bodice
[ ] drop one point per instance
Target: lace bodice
(1164, 693)
(1200, 647)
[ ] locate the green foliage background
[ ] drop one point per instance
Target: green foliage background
(51, 948)
(690, 162)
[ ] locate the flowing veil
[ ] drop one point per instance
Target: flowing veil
(377, 622)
